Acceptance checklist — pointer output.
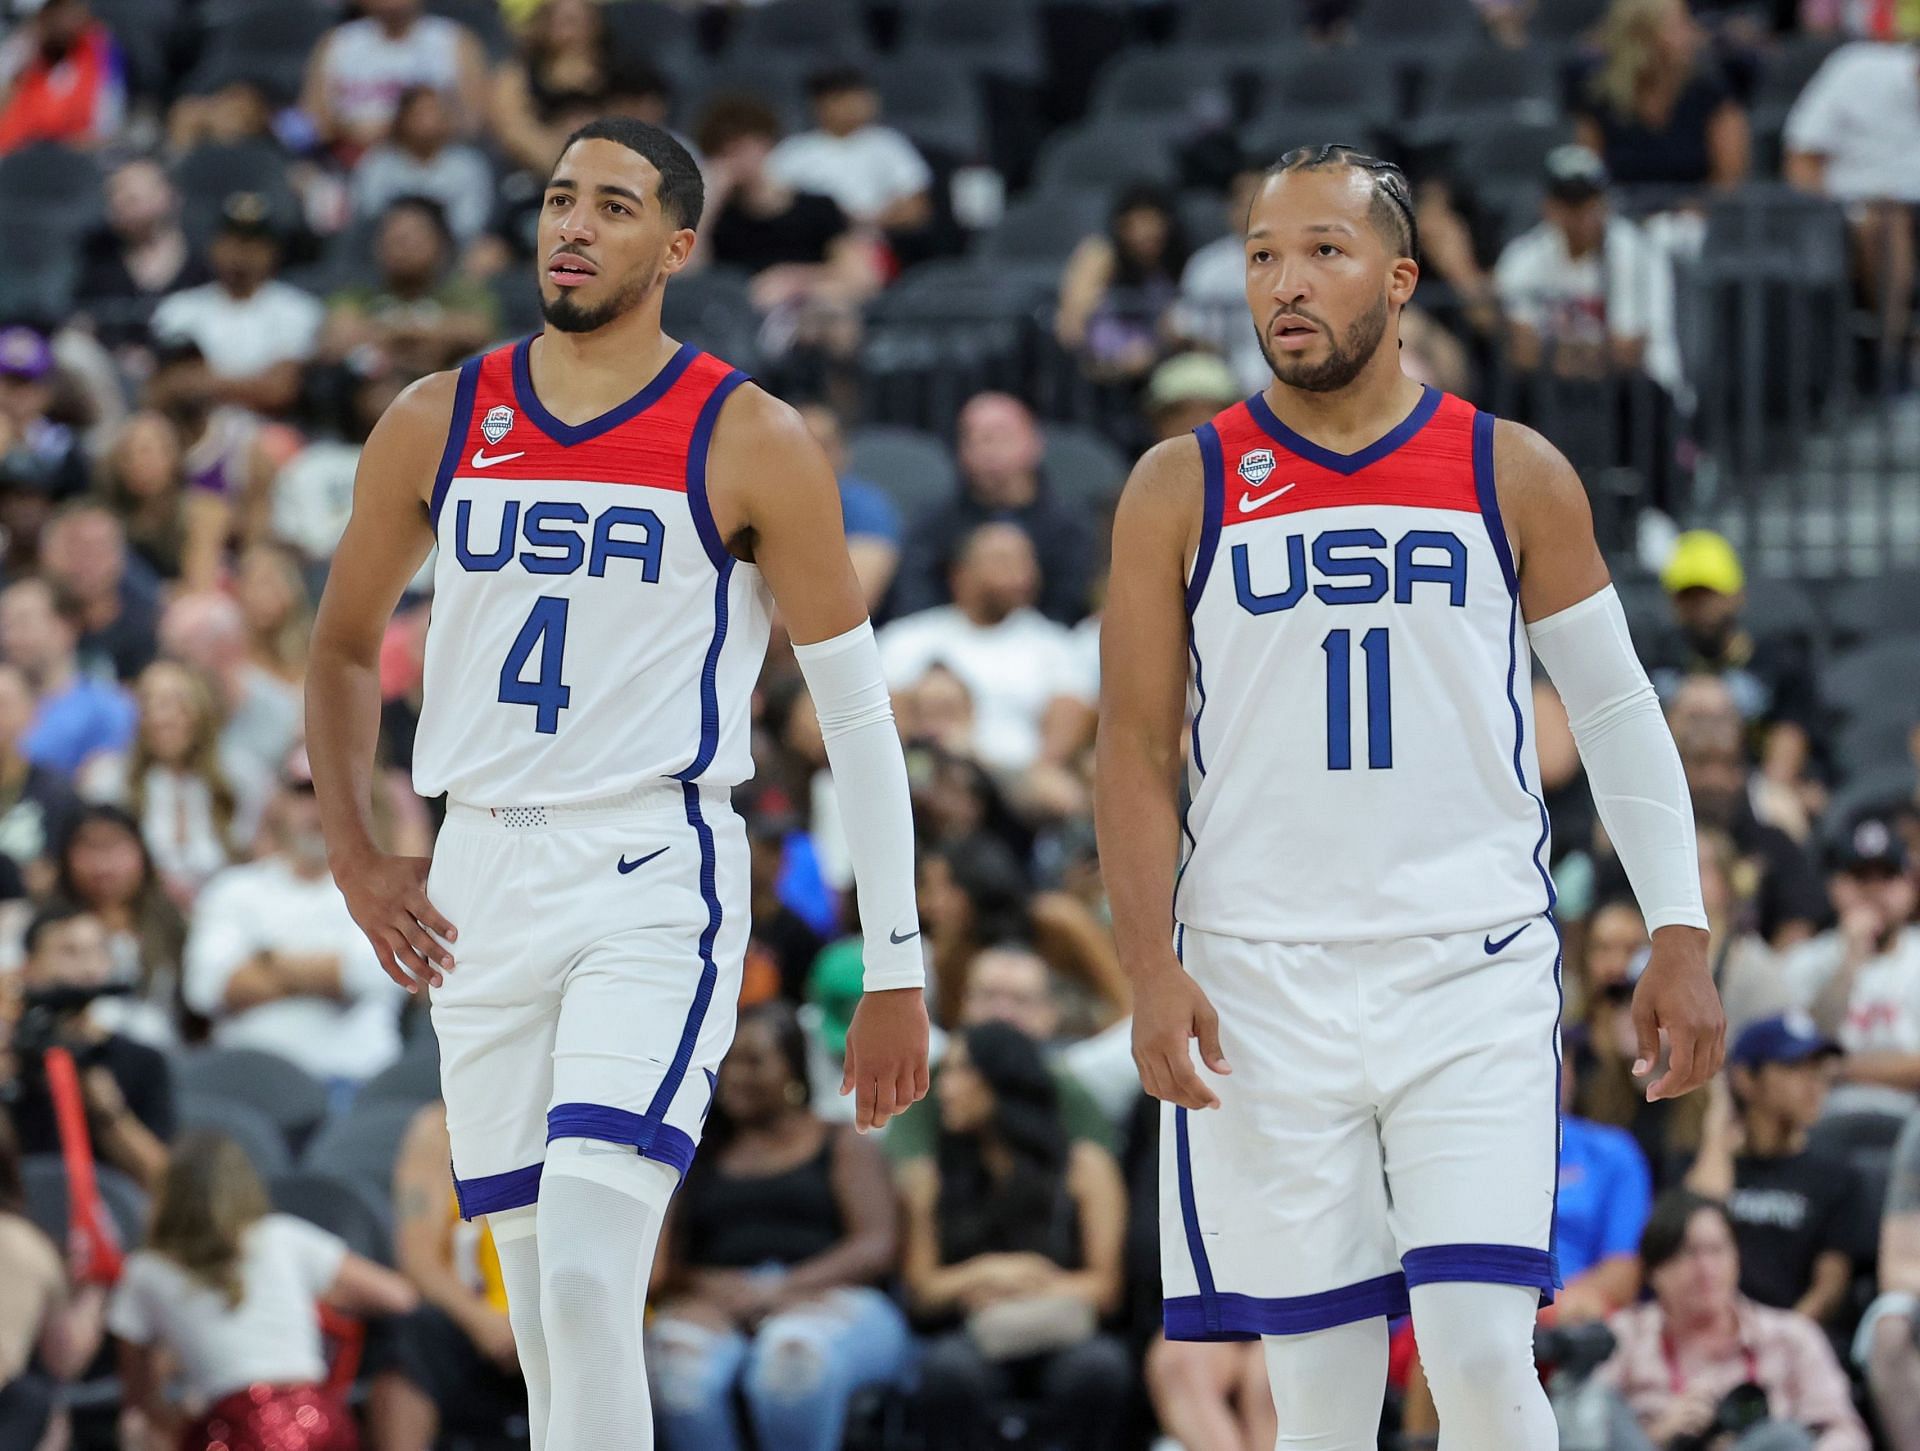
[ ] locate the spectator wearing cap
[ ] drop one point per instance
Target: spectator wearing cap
(1186, 391)
(1801, 1217)
(62, 77)
(422, 159)
(37, 455)
(417, 314)
(1852, 135)
(38, 805)
(254, 330)
(137, 256)
(1861, 979)
(361, 68)
(872, 171)
(85, 554)
(75, 716)
(1585, 293)
(1887, 1344)
(1000, 450)
(871, 518)
(275, 961)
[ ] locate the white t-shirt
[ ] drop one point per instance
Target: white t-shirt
(1883, 1011)
(1861, 111)
(1625, 290)
(865, 173)
(368, 69)
(1213, 309)
(272, 1337)
(264, 906)
(1014, 670)
(239, 338)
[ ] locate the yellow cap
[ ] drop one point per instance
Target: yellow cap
(1702, 559)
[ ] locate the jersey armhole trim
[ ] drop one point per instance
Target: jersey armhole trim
(1489, 495)
(457, 429)
(697, 449)
(1213, 497)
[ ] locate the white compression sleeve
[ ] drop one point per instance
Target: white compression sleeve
(1632, 765)
(870, 776)
(514, 1240)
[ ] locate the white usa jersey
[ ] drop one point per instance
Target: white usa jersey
(590, 631)
(1362, 762)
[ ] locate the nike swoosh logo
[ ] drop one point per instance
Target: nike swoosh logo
(634, 866)
(1493, 947)
(1249, 503)
(896, 938)
(480, 460)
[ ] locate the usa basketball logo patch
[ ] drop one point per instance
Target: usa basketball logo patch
(1257, 467)
(498, 420)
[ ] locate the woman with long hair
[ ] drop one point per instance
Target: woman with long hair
(227, 1290)
(775, 1251)
(1119, 284)
(181, 531)
(563, 73)
(278, 609)
(1659, 113)
(1014, 1240)
(105, 868)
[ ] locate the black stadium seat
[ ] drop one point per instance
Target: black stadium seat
(992, 37)
(44, 1177)
(916, 469)
(363, 1145)
(823, 29)
(1867, 608)
(341, 1206)
(1171, 84)
(291, 1098)
(247, 1126)
(934, 104)
(1081, 467)
(1868, 676)
(1243, 23)
(1342, 82)
(57, 186)
(1048, 226)
(1106, 152)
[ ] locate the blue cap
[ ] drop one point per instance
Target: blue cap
(1784, 1038)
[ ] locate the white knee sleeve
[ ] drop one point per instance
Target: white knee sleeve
(514, 1240)
(1328, 1386)
(601, 1207)
(1476, 1346)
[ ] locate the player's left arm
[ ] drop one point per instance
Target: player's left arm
(1579, 631)
(774, 499)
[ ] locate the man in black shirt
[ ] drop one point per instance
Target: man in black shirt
(1800, 1217)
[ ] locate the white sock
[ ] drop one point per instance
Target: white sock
(601, 1208)
(514, 1240)
(1476, 1346)
(1328, 1386)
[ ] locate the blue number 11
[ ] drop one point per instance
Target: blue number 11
(545, 630)
(1339, 648)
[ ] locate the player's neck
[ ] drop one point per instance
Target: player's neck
(579, 376)
(1348, 419)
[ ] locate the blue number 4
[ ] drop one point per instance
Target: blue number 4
(545, 630)
(1339, 648)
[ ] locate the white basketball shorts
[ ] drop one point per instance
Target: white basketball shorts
(1392, 1118)
(595, 978)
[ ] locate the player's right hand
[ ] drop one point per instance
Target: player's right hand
(387, 896)
(1169, 1012)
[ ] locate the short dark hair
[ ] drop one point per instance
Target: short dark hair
(426, 206)
(54, 914)
(683, 194)
(833, 79)
(1666, 1231)
(1392, 197)
(736, 118)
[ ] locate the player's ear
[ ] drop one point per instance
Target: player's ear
(1402, 279)
(679, 251)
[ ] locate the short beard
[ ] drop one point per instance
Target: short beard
(564, 313)
(1345, 358)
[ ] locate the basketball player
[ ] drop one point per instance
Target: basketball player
(1341, 577)
(615, 512)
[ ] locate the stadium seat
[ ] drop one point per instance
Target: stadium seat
(1487, 153)
(1047, 226)
(992, 37)
(1781, 609)
(1105, 152)
(916, 469)
(1172, 85)
(1239, 23)
(776, 82)
(341, 1206)
(1861, 679)
(819, 30)
(1781, 231)
(1876, 740)
(651, 33)
(414, 1079)
(934, 104)
(1880, 789)
(1415, 27)
(1279, 129)
(56, 185)
(1865, 608)
(711, 310)
(1562, 21)
(1483, 83)
(1341, 82)
(1082, 467)
(362, 1145)
(483, 18)
(291, 1098)
(44, 1177)
(1862, 1130)
(1786, 67)
(246, 1125)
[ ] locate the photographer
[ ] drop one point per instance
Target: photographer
(129, 1094)
(1703, 1368)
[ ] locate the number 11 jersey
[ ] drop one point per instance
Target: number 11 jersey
(1361, 760)
(590, 630)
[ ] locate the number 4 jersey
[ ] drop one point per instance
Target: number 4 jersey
(1362, 762)
(590, 631)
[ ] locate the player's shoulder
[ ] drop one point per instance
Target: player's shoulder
(1533, 479)
(1168, 476)
(426, 405)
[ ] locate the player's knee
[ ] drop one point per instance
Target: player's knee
(1476, 1358)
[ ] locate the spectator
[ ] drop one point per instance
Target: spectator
(225, 451)
(415, 315)
(312, 495)
(422, 160)
(1186, 391)
(871, 518)
(278, 611)
(37, 804)
(361, 69)
(1213, 292)
(1700, 1342)
(782, 945)
(1002, 477)
(126, 1085)
(117, 598)
(225, 1290)
(74, 716)
(1585, 293)
(208, 632)
(105, 869)
(36, 453)
(1887, 1345)
(62, 77)
(176, 532)
(253, 330)
(1019, 666)
(1604, 1194)
(231, 108)
(1659, 113)
(1852, 135)
(139, 255)
(1799, 1216)
(451, 1365)
(774, 1253)
(50, 1328)
(275, 960)
(1013, 1251)
(1118, 286)
(1751, 983)
(562, 75)
(872, 171)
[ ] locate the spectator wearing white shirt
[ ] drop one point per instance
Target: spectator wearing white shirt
(1032, 704)
(421, 159)
(1854, 135)
(872, 171)
(360, 69)
(1212, 307)
(275, 960)
(254, 330)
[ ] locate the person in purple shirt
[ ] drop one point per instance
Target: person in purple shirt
(75, 717)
